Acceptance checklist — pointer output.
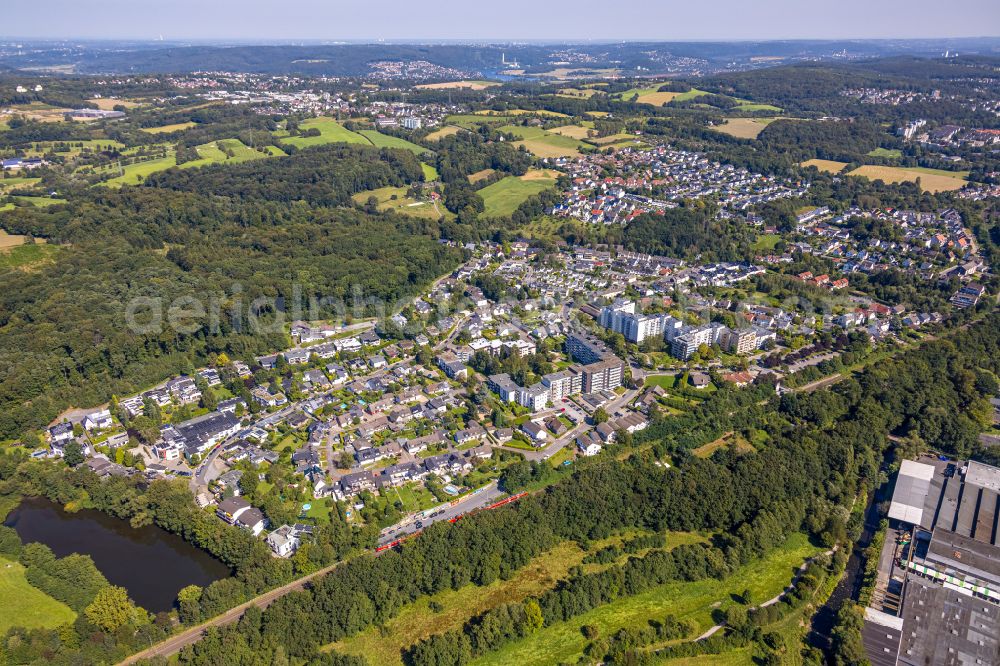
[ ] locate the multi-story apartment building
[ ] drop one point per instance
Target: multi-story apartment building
(622, 318)
(563, 383)
(742, 341)
(603, 375)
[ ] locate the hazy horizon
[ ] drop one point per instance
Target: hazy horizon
(516, 20)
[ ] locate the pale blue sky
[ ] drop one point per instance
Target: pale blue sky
(498, 19)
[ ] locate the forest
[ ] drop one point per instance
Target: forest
(322, 176)
(63, 330)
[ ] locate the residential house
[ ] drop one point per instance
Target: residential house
(535, 431)
(100, 420)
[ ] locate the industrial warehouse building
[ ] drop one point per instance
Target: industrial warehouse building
(949, 572)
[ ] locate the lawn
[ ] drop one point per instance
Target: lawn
(931, 180)
(504, 196)
(766, 242)
(744, 128)
(380, 140)
(663, 381)
(563, 642)
(414, 497)
(22, 605)
(562, 455)
(829, 166)
(330, 131)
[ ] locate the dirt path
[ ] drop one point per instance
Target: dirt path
(775, 599)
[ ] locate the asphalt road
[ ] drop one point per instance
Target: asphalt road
(488, 495)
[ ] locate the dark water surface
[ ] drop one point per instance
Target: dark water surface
(151, 563)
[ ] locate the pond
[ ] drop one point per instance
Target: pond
(151, 563)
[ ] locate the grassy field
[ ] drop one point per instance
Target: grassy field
(136, 173)
(470, 121)
(45, 113)
(452, 85)
(380, 140)
(747, 105)
(166, 129)
(7, 240)
(39, 202)
(744, 128)
(417, 620)
(109, 103)
(563, 642)
(214, 153)
(18, 182)
(330, 131)
(892, 154)
(402, 204)
(39, 148)
(439, 134)
(480, 175)
(651, 95)
(430, 173)
(581, 72)
(578, 93)
(24, 256)
(742, 445)
(573, 131)
(545, 144)
(931, 180)
(544, 113)
(209, 153)
(504, 196)
(611, 139)
(22, 605)
(830, 166)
